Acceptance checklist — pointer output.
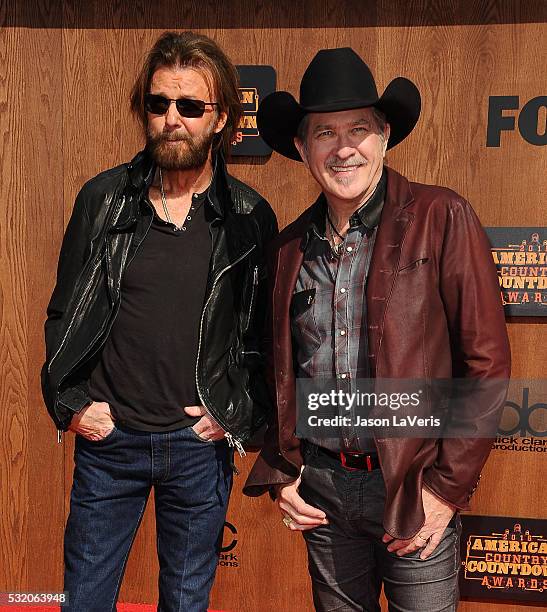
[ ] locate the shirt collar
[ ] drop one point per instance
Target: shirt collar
(142, 169)
(317, 225)
(368, 214)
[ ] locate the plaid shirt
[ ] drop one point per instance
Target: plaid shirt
(328, 309)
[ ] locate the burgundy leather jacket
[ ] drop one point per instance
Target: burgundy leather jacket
(434, 311)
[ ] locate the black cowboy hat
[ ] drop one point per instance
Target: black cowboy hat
(336, 80)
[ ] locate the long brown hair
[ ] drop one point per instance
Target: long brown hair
(183, 49)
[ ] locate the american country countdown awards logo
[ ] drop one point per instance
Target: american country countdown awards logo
(503, 558)
(256, 82)
(228, 556)
(520, 255)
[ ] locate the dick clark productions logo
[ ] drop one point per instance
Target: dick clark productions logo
(227, 556)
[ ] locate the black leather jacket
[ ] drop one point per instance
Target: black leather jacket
(109, 221)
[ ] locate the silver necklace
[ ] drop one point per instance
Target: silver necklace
(165, 209)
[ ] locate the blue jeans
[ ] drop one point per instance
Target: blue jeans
(347, 560)
(192, 479)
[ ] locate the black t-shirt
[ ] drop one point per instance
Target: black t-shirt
(146, 371)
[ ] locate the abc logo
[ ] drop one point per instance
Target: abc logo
(231, 545)
(523, 420)
(501, 118)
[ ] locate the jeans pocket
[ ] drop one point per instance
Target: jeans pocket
(107, 438)
(196, 436)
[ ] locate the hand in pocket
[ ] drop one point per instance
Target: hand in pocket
(94, 422)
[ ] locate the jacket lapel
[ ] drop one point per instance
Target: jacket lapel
(232, 241)
(394, 224)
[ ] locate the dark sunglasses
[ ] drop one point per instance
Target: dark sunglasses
(159, 105)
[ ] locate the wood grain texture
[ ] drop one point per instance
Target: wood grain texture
(64, 117)
(42, 162)
(272, 560)
(14, 457)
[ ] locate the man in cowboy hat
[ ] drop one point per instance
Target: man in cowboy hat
(378, 279)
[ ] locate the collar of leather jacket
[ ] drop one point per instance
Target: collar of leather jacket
(142, 168)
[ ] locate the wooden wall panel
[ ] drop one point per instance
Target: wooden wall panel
(14, 464)
(32, 476)
(65, 72)
(41, 162)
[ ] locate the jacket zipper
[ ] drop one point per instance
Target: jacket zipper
(253, 291)
(233, 441)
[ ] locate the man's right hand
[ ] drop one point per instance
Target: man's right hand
(94, 422)
(299, 515)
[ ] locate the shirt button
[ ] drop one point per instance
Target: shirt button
(343, 375)
(342, 332)
(349, 249)
(342, 290)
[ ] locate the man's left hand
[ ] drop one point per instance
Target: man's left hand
(206, 428)
(437, 516)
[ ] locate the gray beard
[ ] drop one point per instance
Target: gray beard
(192, 152)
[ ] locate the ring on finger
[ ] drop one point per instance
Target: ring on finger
(287, 521)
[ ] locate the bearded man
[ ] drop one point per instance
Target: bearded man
(153, 356)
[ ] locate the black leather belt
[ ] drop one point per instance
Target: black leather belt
(352, 461)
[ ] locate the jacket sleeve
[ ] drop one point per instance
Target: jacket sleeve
(74, 252)
(470, 291)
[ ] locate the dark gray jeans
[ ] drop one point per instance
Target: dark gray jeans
(347, 560)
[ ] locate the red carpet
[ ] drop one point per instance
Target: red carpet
(122, 607)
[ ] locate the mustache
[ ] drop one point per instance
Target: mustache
(166, 138)
(355, 161)
(157, 138)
